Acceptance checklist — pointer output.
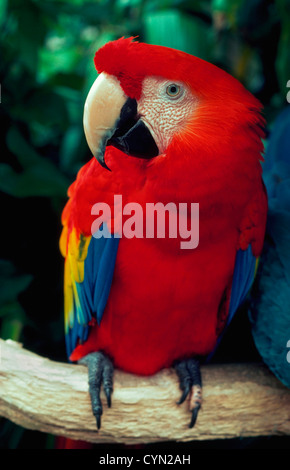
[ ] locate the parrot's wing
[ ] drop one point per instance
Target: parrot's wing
(244, 273)
(243, 278)
(89, 269)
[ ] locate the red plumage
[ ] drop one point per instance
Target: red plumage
(166, 303)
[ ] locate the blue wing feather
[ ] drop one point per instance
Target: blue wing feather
(244, 273)
(92, 294)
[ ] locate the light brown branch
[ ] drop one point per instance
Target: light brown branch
(239, 400)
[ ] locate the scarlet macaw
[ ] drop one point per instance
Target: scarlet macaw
(142, 304)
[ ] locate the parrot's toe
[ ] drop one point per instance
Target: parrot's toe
(100, 371)
(195, 403)
(188, 372)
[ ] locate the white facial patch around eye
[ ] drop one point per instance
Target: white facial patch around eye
(165, 115)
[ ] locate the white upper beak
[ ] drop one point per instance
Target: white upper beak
(102, 111)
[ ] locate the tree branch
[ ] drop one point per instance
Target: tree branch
(239, 400)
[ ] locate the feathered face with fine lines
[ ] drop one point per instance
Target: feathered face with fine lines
(165, 107)
(142, 128)
(142, 102)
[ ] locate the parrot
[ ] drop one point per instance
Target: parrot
(270, 296)
(172, 130)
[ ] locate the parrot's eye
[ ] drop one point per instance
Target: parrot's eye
(173, 90)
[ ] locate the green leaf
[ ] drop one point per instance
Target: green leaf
(12, 315)
(40, 176)
(17, 145)
(42, 106)
(283, 54)
(3, 7)
(69, 79)
(41, 180)
(174, 29)
(13, 318)
(31, 31)
(12, 310)
(72, 147)
(11, 328)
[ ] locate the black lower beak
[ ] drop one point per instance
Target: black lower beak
(131, 135)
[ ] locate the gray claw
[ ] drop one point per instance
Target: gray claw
(194, 415)
(100, 371)
(188, 372)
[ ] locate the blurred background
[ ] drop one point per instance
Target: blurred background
(46, 69)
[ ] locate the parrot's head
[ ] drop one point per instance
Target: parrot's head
(148, 99)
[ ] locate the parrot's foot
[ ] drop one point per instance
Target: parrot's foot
(101, 371)
(188, 372)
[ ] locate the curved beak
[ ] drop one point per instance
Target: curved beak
(111, 118)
